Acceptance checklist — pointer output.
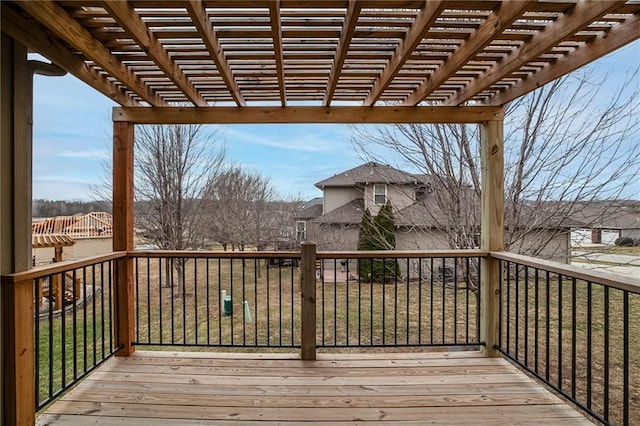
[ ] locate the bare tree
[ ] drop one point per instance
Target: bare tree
(175, 164)
(243, 210)
(563, 151)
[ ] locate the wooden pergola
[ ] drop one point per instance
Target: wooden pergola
(282, 61)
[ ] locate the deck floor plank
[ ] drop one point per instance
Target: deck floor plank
(340, 389)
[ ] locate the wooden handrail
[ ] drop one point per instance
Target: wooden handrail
(610, 280)
(58, 267)
(404, 254)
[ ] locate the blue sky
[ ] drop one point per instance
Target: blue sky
(72, 137)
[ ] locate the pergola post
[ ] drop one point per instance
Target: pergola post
(17, 298)
(492, 232)
(123, 141)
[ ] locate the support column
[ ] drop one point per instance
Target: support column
(16, 299)
(492, 232)
(308, 292)
(123, 141)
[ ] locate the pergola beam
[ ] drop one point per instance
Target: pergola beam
(416, 33)
(22, 30)
(276, 35)
(495, 24)
(57, 20)
(129, 19)
(348, 28)
(201, 21)
(309, 115)
(623, 33)
(582, 14)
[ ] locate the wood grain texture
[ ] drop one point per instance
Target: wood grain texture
(284, 115)
(214, 389)
(492, 231)
(123, 142)
(308, 302)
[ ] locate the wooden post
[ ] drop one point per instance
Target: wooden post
(308, 290)
(17, 385)
(123, 139)
(492, 232)
(18, 310)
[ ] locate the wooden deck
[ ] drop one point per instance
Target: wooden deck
(162, 388)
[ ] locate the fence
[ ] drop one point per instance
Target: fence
(571, 329)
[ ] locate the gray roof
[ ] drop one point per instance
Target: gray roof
(309, 210)
(350, 213)
(421, 215)
(370, 173)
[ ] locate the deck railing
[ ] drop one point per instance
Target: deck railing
(398, 299)
(576, 331)
(570, 328)
(383, 299)
(228, 299)
(74, 321)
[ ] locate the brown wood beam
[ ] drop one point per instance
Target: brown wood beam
(58, 21)
(582, 14)
(348, 28)
(416, 33)
(507, 12)
(129, 19)
(123, 142)
(492, 231)
(28, 34)
(621, 34)
(309, 115)
(200, 19)
(308, 301)
(276, 35)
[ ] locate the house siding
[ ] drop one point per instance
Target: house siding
(338, 237)
(421, 239)
(335, 197)
(401, 196)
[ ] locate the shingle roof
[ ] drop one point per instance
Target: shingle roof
(350, 213)
(370, 173)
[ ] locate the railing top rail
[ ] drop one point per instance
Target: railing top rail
(397, 254)
(608, 279)
(180, 254)
(58, 267)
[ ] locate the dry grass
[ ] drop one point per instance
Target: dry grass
(563, 335)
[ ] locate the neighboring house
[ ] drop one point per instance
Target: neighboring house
(605, 221)
(91, 233)
(420, 224)
(304, 217)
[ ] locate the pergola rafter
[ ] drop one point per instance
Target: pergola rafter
(343, 52)
(583, 13)
(70, 31)
(201, 21)
(349, 27)
(129, 19)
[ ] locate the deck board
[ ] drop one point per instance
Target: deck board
(190, 389)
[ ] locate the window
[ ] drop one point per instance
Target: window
(379, 193)
(301, 230)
